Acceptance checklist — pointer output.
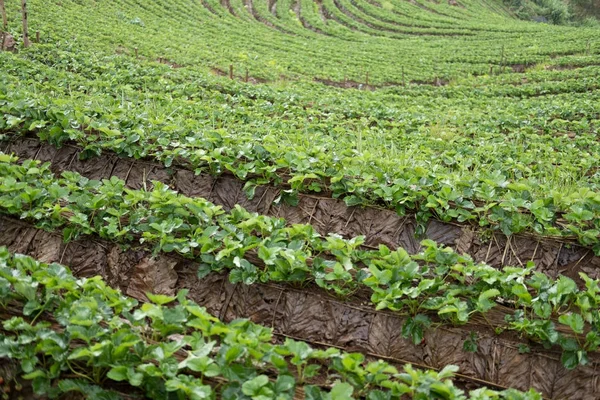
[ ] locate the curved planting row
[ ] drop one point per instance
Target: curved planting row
(348, 49)
(364, 149)
(310, 315)
(501, 143)
(326, 215)
(436, 281)
(80, 336)
(416, 24)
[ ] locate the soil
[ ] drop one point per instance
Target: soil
(7, 42)
(310, 314)
(327, 215)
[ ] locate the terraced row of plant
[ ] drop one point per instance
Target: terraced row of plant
(500, 170)
(488, 122)
(341, 53)
(312, 315)
(326, 215)
(80, 336)
(258, 248)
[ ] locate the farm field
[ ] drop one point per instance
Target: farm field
(298, 199)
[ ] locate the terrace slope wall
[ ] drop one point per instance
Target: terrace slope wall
(311, 315)
(326, 215)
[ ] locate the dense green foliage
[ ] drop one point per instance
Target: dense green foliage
(469, 115)
(81, 328)
(500, 171)
(425, 39)
(513, 152)
(435, 281)
(585, 12)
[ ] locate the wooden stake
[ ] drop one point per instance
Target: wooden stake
(4, 19)
(230, 71)
(367, 79)
(491, 70)
(502, 59)
(25, 28)
(37, 36)
(4, 25)
(136, 52)
(246, 77)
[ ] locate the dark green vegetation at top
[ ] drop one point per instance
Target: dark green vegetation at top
(585, 12)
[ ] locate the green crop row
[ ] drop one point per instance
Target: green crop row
(255, 248)
(497, 170)
(80, 336)
(357, 37)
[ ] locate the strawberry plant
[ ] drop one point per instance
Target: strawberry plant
(436, 281)
(79, 335)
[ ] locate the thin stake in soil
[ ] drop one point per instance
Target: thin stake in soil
(230, 71)
(37, 37)
(25, 28)
(4, 19)
(535, 251)
(4, 25)
(136, 52)
(312, 213)
(246, 77)
(367, 79)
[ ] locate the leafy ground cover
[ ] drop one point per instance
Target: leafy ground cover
(79, 335)
(258, 248)
(463, 114)
(433, 46)
(498, 170)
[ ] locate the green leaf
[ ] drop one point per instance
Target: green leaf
(352, 200)
(575, 321)
(38, 373)
(233, 353)
(160, 299)
(379, 395)
(483, 302)
(571, 359)
(440, 389)
(253, 386)
(204, 270)
(342, 391)
(202, 364)
(27, 290)
(118, 373)
(448, 372)
(470, 344)
(523, 348)
(284, 383)
(135, 378)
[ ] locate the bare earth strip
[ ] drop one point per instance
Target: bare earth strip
(310, 314)
(327, 215)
